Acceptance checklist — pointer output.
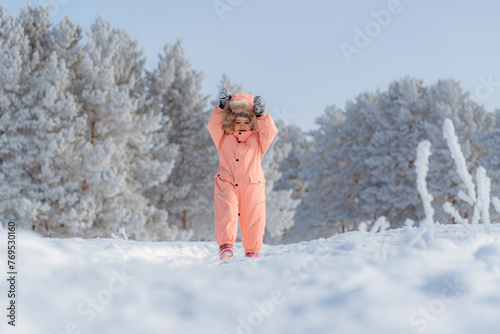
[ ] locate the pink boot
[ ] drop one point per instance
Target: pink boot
(251, 254)
(226, 251)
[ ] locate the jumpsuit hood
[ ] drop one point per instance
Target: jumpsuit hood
(240, 104)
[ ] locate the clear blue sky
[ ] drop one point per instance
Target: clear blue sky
(290, 51)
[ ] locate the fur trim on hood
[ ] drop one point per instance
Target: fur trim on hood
(240, 104)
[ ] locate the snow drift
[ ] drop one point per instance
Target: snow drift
(354, 282)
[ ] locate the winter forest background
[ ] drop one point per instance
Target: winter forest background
(93, 144)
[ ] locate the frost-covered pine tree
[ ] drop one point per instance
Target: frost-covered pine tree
(63, 38)
(14, 54)
(118, 158)
(343, 147)
(57, 134)
(317, 215)
(174, 90)
(41, 126)
(490, 142)
(362, 165)
(291, 166)
(292, 139)
(280, 206)
(383, 135)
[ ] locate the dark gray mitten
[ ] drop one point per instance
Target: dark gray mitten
(224, 98)
(259, 106)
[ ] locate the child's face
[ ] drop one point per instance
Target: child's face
(242, 124)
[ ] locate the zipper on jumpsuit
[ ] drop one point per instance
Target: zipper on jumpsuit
(238, 168)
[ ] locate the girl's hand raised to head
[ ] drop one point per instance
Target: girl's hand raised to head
(259, 106)
(224, 98)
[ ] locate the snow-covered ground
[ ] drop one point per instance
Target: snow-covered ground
(344, 284)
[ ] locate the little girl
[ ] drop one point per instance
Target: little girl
(242, 133)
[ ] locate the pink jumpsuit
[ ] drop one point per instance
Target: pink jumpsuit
(239, 180)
